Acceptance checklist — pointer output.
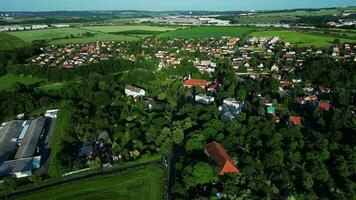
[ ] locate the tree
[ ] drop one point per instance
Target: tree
(178, 136)
(199, 174)
(35, 179)
(96, 164)
(9, 184)
(195, 142)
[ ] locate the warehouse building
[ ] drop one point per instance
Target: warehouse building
(19, 150)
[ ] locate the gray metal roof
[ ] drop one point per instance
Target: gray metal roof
(29, 142)
(8, 139)
(20, 165)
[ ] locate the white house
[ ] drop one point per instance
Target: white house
(231, 109)
(204, 99)
(134, 91)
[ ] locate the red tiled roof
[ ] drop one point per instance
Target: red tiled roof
(213, 86)
(324, 105)
(195, 82)
(295, 120)
(218, 154)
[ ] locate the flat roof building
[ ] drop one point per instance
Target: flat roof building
(29, 142)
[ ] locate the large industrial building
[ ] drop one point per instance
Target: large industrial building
(20, 146)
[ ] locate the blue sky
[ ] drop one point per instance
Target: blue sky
(158, 5)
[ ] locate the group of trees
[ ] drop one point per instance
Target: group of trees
(313, 161)
(23, 99)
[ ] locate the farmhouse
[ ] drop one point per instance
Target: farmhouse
(134, 91)
(217, 153)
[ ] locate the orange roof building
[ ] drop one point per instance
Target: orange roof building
(324, 105)
(195, 83)
(295, 120)
(218, 154)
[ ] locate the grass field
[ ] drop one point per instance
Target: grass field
(147, 183)
(58, 36)
(206, 32)
(7, 81)
(10, 42)
(301, 39)
(110, 29)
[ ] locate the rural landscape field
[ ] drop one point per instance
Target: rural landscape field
(156, 100)
(140, 184)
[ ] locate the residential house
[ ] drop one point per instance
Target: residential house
(295, 120)
(231, 109)
(217, 153)
(324, 105)
(195, 83)
(204, 99)
(134, 91)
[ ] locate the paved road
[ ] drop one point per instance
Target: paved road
(46, 149)
(171, 161)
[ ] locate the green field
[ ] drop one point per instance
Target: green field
(7, 81)
(59, 36)
(206, 32)
(147, 183)
(10, 42)
(98, 37)
(301, 39)
(110, 29)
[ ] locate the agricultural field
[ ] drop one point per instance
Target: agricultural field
(97, 37)
(7, 81)
(10, 42)
(277, 17)
(63, 36)
(147, 183)
(301, 39)
(206, 32)
(114, 29)
(302, 13)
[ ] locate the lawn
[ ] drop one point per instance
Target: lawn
(10, 42)
(147, 183)
(113, 29)
(301, 39)
(62, 36)
(7, 81)
(206, 32)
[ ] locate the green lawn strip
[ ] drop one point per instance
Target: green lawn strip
(146, 183)
(206, 32)
(62, 124)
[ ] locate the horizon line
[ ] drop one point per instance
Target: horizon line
(179, 10)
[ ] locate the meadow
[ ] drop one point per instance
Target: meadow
(10, 42)
(113, 29)
(206, 32)
(301, 39)
(7, 81)
(147, 183)
(62, 36)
